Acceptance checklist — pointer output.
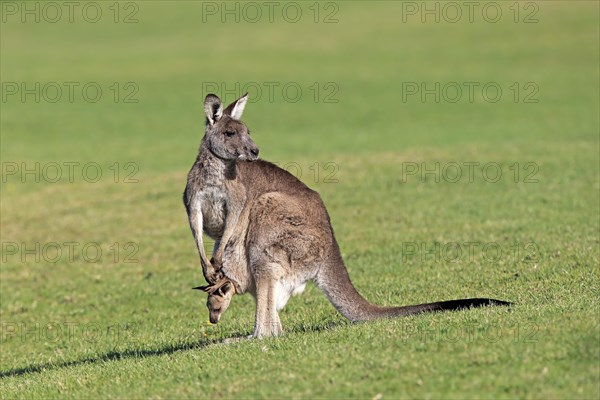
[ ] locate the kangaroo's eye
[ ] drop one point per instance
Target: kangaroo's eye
(229, 133)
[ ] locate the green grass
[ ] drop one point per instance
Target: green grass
(135, 330)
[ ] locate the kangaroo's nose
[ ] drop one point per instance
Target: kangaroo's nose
(254, 152)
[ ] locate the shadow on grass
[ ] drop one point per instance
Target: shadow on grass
(111, 356)
(141, 353)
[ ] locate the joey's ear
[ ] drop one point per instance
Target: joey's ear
(213, 109)
(206, 288)
(226, 288)
(236, 109)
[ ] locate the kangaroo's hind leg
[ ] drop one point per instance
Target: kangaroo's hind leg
(269, 265)
(267, 322)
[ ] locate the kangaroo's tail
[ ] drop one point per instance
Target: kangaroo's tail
(334, 281)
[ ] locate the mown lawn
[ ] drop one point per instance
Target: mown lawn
(521, 222)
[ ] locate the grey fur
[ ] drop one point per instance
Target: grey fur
(272, 233)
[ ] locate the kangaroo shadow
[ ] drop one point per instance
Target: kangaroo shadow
(143, 353)
(112, 356)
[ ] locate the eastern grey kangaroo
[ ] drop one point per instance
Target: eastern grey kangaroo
(272, 233)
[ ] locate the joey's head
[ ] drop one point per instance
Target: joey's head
(227, 137)
(219, 298)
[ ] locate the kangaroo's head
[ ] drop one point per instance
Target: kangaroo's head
(227, 137)
(219, 297)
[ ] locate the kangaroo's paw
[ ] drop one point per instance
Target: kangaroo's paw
(215, 273)
(268, 330)
(215, 278)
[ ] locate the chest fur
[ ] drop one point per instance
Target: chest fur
(213, 203)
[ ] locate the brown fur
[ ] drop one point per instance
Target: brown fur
(273, 233)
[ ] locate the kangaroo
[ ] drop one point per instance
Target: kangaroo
(213, 196)
(273, 234)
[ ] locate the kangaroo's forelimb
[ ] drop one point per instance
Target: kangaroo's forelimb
(194, 210)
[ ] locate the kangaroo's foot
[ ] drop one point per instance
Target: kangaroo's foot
(213, 273)
(268, 329)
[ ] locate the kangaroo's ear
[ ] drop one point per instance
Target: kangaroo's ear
(206, 288)
(213, 109)
(226, 288)
(236, 109)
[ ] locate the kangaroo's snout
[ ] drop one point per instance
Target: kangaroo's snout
(214, 317)
(250, 152)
